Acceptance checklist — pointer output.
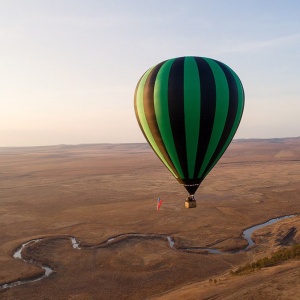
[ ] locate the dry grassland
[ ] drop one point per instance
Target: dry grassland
(95, 192)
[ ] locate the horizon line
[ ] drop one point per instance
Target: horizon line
(126, 143)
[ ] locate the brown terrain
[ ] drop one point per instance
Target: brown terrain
(98, 192)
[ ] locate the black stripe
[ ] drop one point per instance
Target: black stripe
(176, 111)
(150, 114)
(231, 115)
(207, 110)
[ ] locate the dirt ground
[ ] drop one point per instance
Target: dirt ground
(95, 192)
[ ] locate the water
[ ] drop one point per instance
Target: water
(248, 232)
(213, 251)
(209, 250)
(76, 245)
(171, 242)
(48, 271)
(18, 255)
(18, 252)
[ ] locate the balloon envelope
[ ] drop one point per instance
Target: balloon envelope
(189, 109)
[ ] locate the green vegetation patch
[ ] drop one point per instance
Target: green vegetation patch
(277, 257)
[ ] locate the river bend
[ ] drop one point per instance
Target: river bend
(247, 233)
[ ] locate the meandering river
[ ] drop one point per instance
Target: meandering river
(247, 233)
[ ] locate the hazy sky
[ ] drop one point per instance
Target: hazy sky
(68, 68)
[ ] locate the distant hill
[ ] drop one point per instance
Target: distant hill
(288, 147)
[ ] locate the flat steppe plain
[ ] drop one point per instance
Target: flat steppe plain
(96, 192)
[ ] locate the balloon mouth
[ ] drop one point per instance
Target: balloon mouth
(191, 188)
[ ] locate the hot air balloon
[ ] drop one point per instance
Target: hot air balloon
(189, 109)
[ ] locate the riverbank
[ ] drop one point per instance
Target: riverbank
(96, 193)
(76, 244)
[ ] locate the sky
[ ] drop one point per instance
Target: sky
(69, 68)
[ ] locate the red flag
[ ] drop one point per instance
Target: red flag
(159, 203)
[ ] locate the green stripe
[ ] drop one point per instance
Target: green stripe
(161, 107)
(237, 120)
(222, 103)
(191, 111)
(143, 120)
